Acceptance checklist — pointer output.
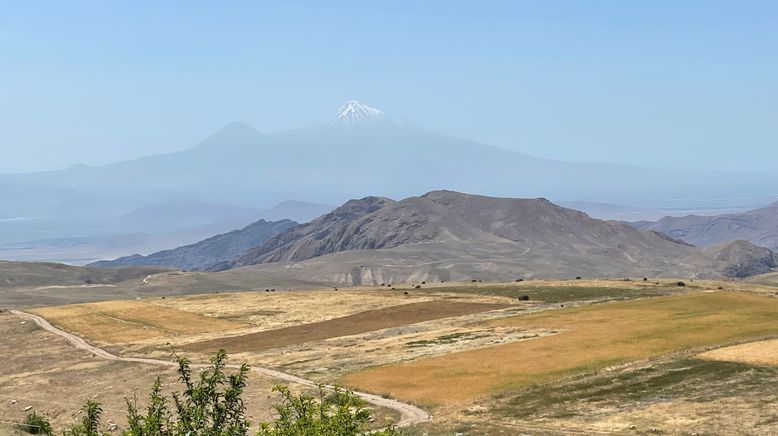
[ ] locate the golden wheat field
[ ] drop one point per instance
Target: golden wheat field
(588, 338)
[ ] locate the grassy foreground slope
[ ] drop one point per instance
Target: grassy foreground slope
(588, 338)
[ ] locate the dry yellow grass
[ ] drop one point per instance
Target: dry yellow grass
(280, 309)
(185, 319)
(755, 353)
(363, 322)
(131, 321)
(42, 370)
(589, 338)
(273, 310)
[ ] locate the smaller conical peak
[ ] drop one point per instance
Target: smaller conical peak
(353, 112)
(235, 130)
(235, 133)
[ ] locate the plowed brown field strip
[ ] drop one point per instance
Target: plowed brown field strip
(362, 322)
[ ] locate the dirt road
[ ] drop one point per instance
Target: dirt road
(409, 414)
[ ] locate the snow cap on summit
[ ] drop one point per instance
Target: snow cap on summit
(354, 112)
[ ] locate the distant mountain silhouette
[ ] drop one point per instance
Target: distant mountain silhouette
(206, 252)
(759, 226)
(366, 153)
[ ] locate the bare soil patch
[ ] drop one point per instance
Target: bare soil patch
(362, 322)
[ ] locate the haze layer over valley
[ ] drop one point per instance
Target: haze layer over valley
(159, 202)
(323, 163)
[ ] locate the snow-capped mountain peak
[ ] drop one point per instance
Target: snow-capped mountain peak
(354, 112)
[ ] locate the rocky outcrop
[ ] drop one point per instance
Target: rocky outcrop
(741, 259)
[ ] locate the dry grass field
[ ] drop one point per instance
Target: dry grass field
(131, 321)
(579, 355)
(322, 333)
(43, 371)
(367, 321)
(756, 353)
(679, 395)
(279, 309)
(769, 279)
(589, 338)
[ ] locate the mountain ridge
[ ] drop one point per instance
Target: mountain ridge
(758, 226)
(515, 236)
(203, 253)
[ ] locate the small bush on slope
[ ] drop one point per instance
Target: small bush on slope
(90, 423)
(36, 424)
(341, 414)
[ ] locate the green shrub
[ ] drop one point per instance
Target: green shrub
(157, 418)
(210, 405)
(36, 424)
(90, 423)
(339, 414)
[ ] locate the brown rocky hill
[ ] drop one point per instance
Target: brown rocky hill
(446, 235)
(741, 258)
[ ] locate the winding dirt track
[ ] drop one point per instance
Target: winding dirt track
(409, 414)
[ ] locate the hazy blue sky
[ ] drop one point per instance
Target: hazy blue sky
(657, 83)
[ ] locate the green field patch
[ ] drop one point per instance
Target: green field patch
(691, 379)
(445, 339)
(561, 294)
